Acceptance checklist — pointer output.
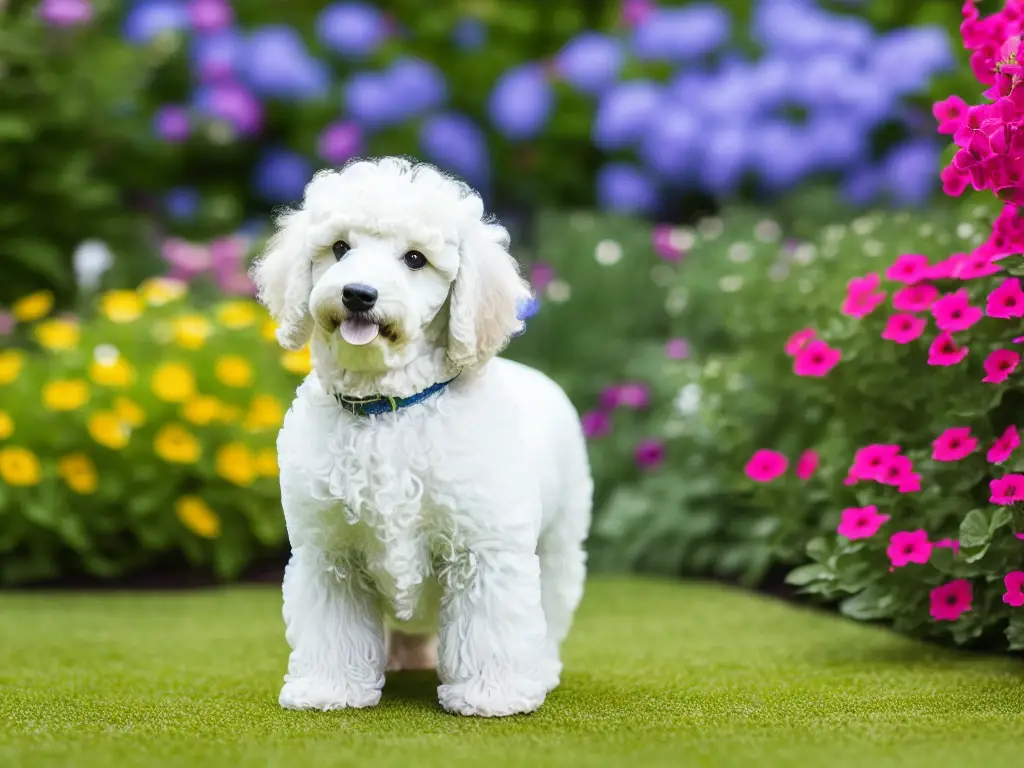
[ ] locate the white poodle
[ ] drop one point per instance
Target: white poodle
(428, 486)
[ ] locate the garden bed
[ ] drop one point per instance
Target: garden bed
(654, 671)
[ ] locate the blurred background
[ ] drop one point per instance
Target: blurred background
(674, 175)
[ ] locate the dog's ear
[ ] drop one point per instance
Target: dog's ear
(486, 296)
(283, 279)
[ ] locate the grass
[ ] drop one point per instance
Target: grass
(657, 673)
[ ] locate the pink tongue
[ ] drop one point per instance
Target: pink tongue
(358, 332)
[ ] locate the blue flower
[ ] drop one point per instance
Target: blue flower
(590, 62)
(354, 30)
(624, 112)
(276, 64)
(725, 158)
(216, 56)
(780, 155)
(681, 34)
(418, 85)
(911, 171)
(280, 176)
(182, 203)
(906, 59)
(862, 186)
(369, 100)
(151, 18)
(624, 188)
(469, 33)
(527, 308)
(521, 102)
(671, 143)
(456, 144)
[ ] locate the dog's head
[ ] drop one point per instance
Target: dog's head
(390, 255)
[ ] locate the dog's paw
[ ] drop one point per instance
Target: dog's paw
(551, 673)
(324, 695)
(493, 696)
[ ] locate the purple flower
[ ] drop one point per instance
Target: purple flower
(672, 142)
(369, 101)
(661, 239)
(353, 29)
(417, 84)
(455, 143)
(629, 394)
(276, 64)
(216, 56)
(232, 103)
(541, 275)
(469, 34)
(340, 141)
(521, 102)
(590, 62)
(151, 18)
(171, 123)
(596, 424)
(280, 176)
(182, 203)
(210, 15)
(624, 112)
(649, 453)
(680, 35)
(910, 171)
(677, 349)
(65, 13)
(7, 322)
(624, 188)
(635, 11)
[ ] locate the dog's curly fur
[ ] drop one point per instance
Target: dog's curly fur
(461, 517)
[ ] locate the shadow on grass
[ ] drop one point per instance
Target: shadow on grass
(416, 689)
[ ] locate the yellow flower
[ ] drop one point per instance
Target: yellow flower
(175, 444)
(173, 382)
(234, 371)
(297, 362)
(201, 410)
(191, 331)
(67, 395)
(78, 472)
(19, 467)
(107, 429)
(129, 412)
(158, 291)
(196, 515)
(112, 373)
(6, 425)
(237, 314)
(58, 334)
(236, 464)
(265, 412)
(11, 362)
(266, 462)
(33, 306)
(121, 306)
(269, 331)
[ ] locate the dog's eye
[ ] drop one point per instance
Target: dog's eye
(415, 260)
(340, 248)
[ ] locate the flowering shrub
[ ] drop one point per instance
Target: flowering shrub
(144, 433)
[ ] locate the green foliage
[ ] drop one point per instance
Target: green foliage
(69, 155)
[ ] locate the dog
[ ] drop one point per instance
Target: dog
(437, 497)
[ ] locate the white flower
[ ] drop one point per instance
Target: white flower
(688, 398)
(91, 259)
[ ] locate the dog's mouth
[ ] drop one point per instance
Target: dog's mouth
(362, 328)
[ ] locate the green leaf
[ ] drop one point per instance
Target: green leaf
(870, 605)
(1015, 630)
(805, 574)
(974, 530)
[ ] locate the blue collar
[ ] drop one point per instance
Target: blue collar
(377, 404)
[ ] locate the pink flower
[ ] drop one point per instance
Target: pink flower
(948, 544)
(898, 471)
(1004, 446)
(904, 328)
(951, 601)
(649, 453)
(861, 297)
(664, 243)
(999, 365)
(765, 465)
(870, 461)
(816, 359)
(1006, 301)
(910, 483)
(907, 547)
(944, 351)
(1006, 489)
(915, 298)
(677, 349)
(7, 322)
(596, 424)
(954, 444)
(861, 522)
(951, 114)
(1014, 582)
(629, 394)
(799, 340)
(953, 312)
(909, 268)
(807, 464)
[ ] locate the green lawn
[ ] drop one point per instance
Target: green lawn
(657, 673)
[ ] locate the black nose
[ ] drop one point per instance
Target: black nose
(358, 297)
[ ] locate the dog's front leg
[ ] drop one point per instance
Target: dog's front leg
(492, 659)
(334, 627)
